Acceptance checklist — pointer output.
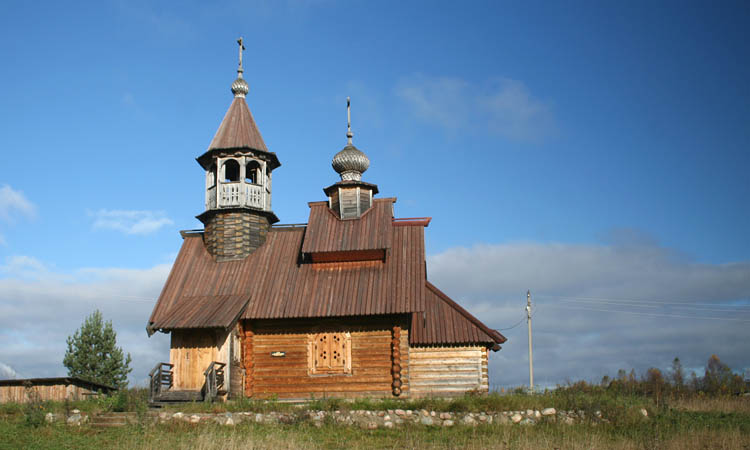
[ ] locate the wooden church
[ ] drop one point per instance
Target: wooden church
(338, 307)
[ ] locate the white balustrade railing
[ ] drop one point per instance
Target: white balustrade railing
(237, 194)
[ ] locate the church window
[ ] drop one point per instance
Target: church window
(252, 172)
(231, 171)
(330, 354)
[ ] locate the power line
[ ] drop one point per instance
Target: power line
(510, 328)
(676, 316)
(645, 300)
(618, 303)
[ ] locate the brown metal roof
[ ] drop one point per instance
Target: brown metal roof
(91, 385)
(328, 233)
(278, 286)
(238, 129)
(203, 311)
(275, 282)
(444, 321)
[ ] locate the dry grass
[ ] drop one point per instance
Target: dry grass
(713, 404)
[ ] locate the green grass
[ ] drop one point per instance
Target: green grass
(668, 429)
(693, 424)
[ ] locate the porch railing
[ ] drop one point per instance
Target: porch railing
(214, 381)
(162, 379)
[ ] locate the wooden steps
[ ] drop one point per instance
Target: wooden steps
(177, 396)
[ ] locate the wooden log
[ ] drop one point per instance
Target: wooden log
(248, 360)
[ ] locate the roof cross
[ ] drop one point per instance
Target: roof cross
(349, 133)
(242, 47)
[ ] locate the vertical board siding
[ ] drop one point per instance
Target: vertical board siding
(446, 371)
(192, 351)
(290, 376)
(53, 392)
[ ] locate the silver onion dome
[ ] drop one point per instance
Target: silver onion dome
(240, 88)
(350, 163)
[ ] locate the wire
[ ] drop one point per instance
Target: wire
(510, 328)
(676, 316)
(650, 301)
(632, 305)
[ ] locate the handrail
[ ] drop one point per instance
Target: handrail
(214, 380)
(161, 377)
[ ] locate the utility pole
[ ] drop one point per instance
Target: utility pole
(531, 359)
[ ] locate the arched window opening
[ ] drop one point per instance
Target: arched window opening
(252, 172)
(231, 171)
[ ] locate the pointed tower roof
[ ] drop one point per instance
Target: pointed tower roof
(238, 129)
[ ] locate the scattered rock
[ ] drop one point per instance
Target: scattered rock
(76, 411)
(74, 419)
(448, 423)
(426, 420)
(568, 420)
(527, 421)
(372, 425)
(178, 415)
(468, 420)
(516, 418)
(400, 412)
(388, 424)
(644, 413)
(549, 412)
(445, 415)
(195, 418)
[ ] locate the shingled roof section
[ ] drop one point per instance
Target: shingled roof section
(278, 286)
(328, 233)
(238, 129)
(445, 322)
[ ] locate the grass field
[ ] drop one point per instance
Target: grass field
(694, 423)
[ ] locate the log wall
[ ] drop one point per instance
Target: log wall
(192, 351)
(290, 376)
(447, 371)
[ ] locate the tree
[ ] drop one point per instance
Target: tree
(718, 376)
(678, 374)
(93, 354)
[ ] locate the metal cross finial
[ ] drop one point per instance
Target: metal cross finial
(242, 47)
(349, 133)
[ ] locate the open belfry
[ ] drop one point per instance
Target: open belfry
(338, 307)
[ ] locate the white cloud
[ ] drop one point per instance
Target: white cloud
(502, 106)
(130, 222)
(14, 204)
(7, 372)
(38, 313)
(600, 307)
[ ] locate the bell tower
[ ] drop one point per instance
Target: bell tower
(238, 169)
(351, 197)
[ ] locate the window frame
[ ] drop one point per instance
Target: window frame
(313, 369)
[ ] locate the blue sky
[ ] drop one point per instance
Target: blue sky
(593, 152)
